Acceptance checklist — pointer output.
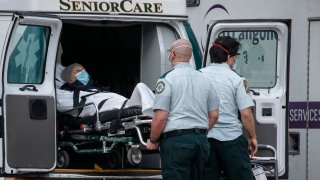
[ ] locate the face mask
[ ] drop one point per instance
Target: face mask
(83, 77)
(235, 65)
(170, 61)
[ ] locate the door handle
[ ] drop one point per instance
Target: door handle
(254, 92)
(29, 88)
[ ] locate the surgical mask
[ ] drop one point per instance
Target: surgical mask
(235, 65)
(83, 77)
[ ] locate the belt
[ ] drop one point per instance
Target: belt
(180, 132)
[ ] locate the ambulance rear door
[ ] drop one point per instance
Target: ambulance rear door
(29, 94)
(263, 62)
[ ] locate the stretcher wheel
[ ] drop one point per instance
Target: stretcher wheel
(134, 156)
(63, 159)
(114, 160)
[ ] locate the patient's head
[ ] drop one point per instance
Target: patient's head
(74, 72)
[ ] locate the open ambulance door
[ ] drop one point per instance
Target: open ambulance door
(156, 39)
(263, 62)
(29, 95)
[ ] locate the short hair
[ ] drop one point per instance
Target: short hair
(222, 47)
(66, 72)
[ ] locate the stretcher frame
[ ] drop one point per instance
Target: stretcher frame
(98, 134)
(257, 161)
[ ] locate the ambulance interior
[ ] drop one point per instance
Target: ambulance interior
(118, 55)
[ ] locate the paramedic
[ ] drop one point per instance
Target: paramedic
(75, 78)
(229, 149)
(185, 107)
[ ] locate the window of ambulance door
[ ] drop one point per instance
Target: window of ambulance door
(27, 58)
(257, 61)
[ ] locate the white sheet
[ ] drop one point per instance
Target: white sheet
(59, 81)
(141, 96)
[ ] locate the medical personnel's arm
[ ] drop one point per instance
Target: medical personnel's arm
(248, 123)
(213, 118)
(213, 107)
(157, 126)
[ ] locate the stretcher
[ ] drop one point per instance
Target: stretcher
(114, 133)
(266, 166)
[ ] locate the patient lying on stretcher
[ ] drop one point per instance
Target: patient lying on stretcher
(76, 88)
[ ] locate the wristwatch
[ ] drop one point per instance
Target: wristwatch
(153, 141)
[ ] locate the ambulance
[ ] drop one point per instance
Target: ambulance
(123, 42)
(280, 58)
(119, 42)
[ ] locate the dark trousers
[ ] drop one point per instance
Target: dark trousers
(183, 157)
(231, 157)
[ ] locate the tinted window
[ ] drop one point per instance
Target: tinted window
(257, 61)
(27, 54)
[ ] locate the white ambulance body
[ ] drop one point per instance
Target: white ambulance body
(280, 57)
(120, 43)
